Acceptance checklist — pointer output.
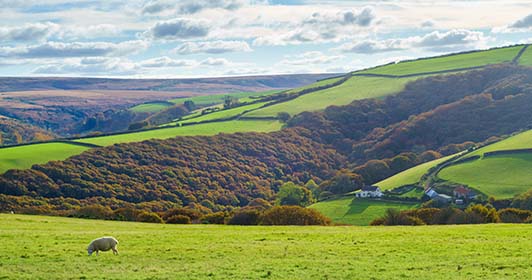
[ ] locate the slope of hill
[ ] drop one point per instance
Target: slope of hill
(14, 132)
(526, 58)
(152, 251)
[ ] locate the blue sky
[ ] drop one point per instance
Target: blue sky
(195, 38)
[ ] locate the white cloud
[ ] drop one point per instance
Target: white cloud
(28, 32)
(190, 6)
(522, 25)
(212, 47)
(432, 41)
(309, 58)
(75, 49)
(215, 62)
(93, 66)
(178, 29)
(165, 61)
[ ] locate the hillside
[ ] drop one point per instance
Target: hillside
(316, 96)
(14, 132)
(157, 251)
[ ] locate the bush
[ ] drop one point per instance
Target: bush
(126, 214)
(93, 212)
(513, 215)
(293, 215)
(245, 217)
(178, 219)
(149, 217)
(214, 218)
(193, 215)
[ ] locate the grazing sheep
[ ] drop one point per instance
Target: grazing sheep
(103, 244)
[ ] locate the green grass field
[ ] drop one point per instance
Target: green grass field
(150, 107)
(526, 58)
(192, 130)
(23, 157)
(353, 211)
(206, 100)
(35, 247)
(316, 84)
(222, 114)
(355, 88)
(501, 176)
(448, 62)
(519, 141)
(409, 176)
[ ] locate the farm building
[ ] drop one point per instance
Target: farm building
(369, 191)
(463, 192)
(443, 198)
(431, 193)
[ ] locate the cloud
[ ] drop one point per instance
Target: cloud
(309, 58)
(91, 66)
(521, 25)
(212, 47)
(190, 6)
(28, 32)
(215, 62)
(75, 49)
(322, 27)
(525, 22)
(435, 41)
(177, 29)
(165, 61)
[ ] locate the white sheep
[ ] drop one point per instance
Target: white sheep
(103, 244)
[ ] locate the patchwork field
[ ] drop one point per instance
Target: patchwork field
(409, 176)
(353, 211)
(207, 100)
(355, 88)
(526, 58)
(200, 129)
(222, 114)
(35, 247)
(519, 141)
(150, 107)
(23, 157)
(501, 176)
(448, 62)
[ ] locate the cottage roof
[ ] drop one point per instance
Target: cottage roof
(369, 188)
(461, 190)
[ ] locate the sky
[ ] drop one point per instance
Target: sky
(199, 38)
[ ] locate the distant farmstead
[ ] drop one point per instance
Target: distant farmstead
(369, 192)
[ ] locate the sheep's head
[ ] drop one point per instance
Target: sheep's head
(90, 249)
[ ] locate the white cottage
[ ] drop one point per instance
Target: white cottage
(369, 191)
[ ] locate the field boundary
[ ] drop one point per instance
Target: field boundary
(519, 54)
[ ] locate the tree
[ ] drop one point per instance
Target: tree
(292, 194)
(343, 182)
(190, 105)
(283, 116)
(230, 102)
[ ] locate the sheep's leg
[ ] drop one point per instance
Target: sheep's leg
(115, 251)
(97, 253)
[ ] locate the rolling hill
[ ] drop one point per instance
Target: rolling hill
(317, 96)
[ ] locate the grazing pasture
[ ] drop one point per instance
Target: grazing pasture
(355, 88)
(207, 100)
(409, 176)
(23, 157)
(526, 58)
(501, 176)
(191, 130)
(519, 141)
(151, 107)
(474, 59)
(353, 211)
(36, 247)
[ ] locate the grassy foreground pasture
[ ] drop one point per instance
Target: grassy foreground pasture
(526, 58)
(23, 157)
(192, 130)
(353, 211)
(35, 247)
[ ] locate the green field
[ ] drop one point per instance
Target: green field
(355, 88)
(150, 107)
(316, 84)
(35, 247)
(353, 211)
(222, 114)
(192, 130)
(501, 176)
(206, 100)
(409, 176)
(526, 58)
(23, 157)
(480, 58)
(518, 141)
